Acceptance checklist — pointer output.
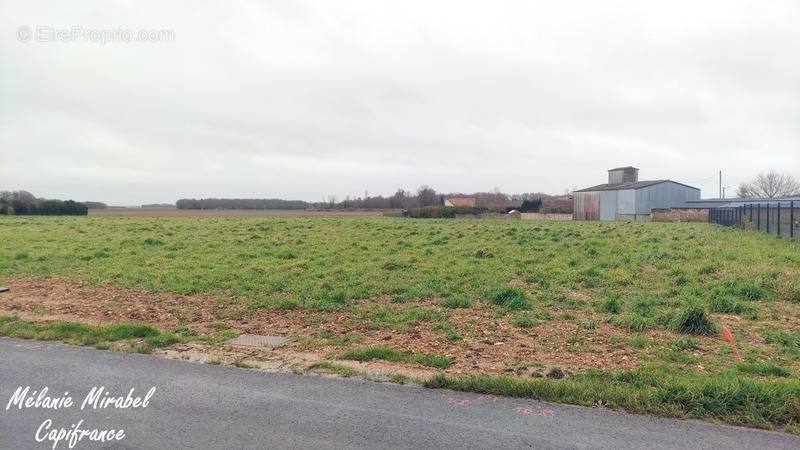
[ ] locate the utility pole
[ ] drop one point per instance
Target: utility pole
(720, 184)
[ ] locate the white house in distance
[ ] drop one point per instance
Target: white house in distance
(624, 197)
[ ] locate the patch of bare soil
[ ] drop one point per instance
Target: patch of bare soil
(65, 299)
(490, 344)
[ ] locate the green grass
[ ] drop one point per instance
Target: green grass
(684, 344)
(456, 302)
(396, 319)
(643, 280)
(386, 353)
(612, 305)
(787, 343)
(728, 397)
(764, 369)
(81, 334)
(510, 298)
(524, 321)
(694, 320)
(337, 262)
(340, 340)
(733, 305)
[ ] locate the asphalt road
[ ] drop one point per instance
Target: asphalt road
(203, 406)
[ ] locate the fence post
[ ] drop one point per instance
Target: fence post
(779, 218)
(759, 217)
(768, 217)
(791, 219)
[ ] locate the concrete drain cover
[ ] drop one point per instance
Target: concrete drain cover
(257, 340)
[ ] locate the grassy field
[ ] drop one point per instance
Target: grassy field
(618, 314)
(174, 212)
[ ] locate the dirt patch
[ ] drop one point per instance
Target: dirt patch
(65, 299)
(484, 341)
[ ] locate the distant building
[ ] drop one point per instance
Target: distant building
(735, 202)
(460, 201)
(624, 197)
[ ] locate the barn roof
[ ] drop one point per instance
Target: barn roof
(460, 200)
(629, 185)
(733, 202)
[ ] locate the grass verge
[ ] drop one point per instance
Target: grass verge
(729, 397)
(386, 353)
(144, 338)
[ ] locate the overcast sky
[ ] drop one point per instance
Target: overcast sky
(302, 100)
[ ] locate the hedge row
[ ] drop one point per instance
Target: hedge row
(443, 212)
(43, 208)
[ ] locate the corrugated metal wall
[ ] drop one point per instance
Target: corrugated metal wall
(623, 176)
(626, 202)
(608, 205)
(586, 206)
(663, 195)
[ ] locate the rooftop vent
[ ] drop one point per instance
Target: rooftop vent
(623, 175)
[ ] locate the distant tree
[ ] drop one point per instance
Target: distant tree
(495, 200)
(532, 205)
(240, 203)
(19, 196)
(400, 199)
(96, 205)
(770, 185)
(23, 203)
(426, 196)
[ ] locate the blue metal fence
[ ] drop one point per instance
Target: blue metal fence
(778, 218)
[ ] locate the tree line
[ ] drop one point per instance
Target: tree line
(23, 203)
(240, 203)
(425, 196)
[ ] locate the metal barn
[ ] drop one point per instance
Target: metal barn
(624, 197)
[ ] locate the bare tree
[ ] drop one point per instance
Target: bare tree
(400, 199)
(770, 185)
(426, 196)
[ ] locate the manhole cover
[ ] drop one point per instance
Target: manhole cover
(257, 340)
(3, 289)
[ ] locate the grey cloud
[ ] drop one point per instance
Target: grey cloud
(302, 99)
